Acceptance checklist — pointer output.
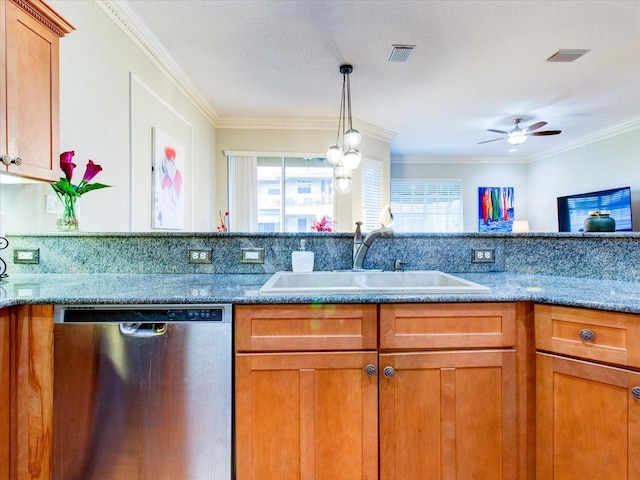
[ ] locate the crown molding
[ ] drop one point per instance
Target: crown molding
(609, 132)
(141, 35)
(459, 159)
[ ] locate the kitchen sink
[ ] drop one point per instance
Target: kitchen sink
(354, 282)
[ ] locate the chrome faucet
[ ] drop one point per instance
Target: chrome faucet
(362, 250)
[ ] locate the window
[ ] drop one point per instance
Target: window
(427, 205)
(371, 194)
(292, 192)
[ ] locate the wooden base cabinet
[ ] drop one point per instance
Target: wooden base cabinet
(587, 409)
(26, 392)
(448, 415)
(588, 420)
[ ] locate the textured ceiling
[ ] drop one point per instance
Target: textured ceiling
(476, 65)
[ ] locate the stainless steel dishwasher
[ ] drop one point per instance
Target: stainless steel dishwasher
(142, 392)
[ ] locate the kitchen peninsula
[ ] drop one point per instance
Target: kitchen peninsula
(545, 290)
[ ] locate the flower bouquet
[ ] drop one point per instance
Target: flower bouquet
(69, 193)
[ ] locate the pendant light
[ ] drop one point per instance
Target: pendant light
(345, 156)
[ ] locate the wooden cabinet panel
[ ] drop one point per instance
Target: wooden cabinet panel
(32, 395)
(316, 327)
(616, 336)
(447, 415)
(588, 423)
(5, 389)
(306, 416)
(30, 87)
(431, 326)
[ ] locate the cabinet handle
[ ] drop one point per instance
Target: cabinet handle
(389, 372)
(587, 335)
(635, 393)
(371, 369)
(7, 160)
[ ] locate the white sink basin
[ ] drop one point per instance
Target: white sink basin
(368, 282)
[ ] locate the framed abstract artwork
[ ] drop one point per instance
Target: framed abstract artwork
(495, 209)
(168, 182)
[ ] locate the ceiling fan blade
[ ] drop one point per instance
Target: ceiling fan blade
(545, 133)
(492, 140)
(498, 131)
(536, 126)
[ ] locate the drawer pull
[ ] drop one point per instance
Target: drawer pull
(587, 335)
(389, 372)
(635, 393)
(370, 369)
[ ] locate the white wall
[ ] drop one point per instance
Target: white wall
(473, 175)
(609, 163)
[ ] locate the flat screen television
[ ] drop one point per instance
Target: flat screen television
(573, 209)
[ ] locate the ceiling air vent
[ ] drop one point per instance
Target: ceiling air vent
(566, 55)
(400, 53)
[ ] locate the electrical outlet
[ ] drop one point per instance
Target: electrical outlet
(26, 256)
(483, 255)
(51, 204)
(252, 255)
(199, 256)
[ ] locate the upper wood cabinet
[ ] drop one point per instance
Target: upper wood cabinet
(29, 88)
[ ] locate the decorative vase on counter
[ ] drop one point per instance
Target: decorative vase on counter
(69, 219)
(599, 221)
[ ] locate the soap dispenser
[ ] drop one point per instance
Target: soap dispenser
(302, 261)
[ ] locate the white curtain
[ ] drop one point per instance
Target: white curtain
(243, 193)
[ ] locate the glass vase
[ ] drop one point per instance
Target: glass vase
(68, 220)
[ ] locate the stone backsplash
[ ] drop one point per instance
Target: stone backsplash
(613, 256)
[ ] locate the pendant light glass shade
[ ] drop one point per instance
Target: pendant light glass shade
(343, 179)
(352, 138)
(352, 159)
(335, 155)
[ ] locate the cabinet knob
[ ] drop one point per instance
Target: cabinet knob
(7, 160)
(371, 369)
(389, 372)
(635, 393)
(587, 335)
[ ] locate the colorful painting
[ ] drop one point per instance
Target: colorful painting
(168, 184)
(495, 209)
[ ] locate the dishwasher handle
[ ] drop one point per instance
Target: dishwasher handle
(143, 329)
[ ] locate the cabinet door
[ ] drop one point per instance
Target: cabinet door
(5, 376)
(448, 415)
(588, 422)
(31, 95)
(306, 416)
(32, 395)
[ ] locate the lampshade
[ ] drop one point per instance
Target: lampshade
(343, 179)
(351, 159)
(335, 155)
(520, 226)
(352, 137)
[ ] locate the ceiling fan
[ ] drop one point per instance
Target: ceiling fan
(519, 135)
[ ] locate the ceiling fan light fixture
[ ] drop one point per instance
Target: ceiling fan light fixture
(517, 138)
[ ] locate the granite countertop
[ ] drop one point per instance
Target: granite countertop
(614, 295)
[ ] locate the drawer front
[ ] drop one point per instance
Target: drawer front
(447, 325)
(591, 334)
(316, 327)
